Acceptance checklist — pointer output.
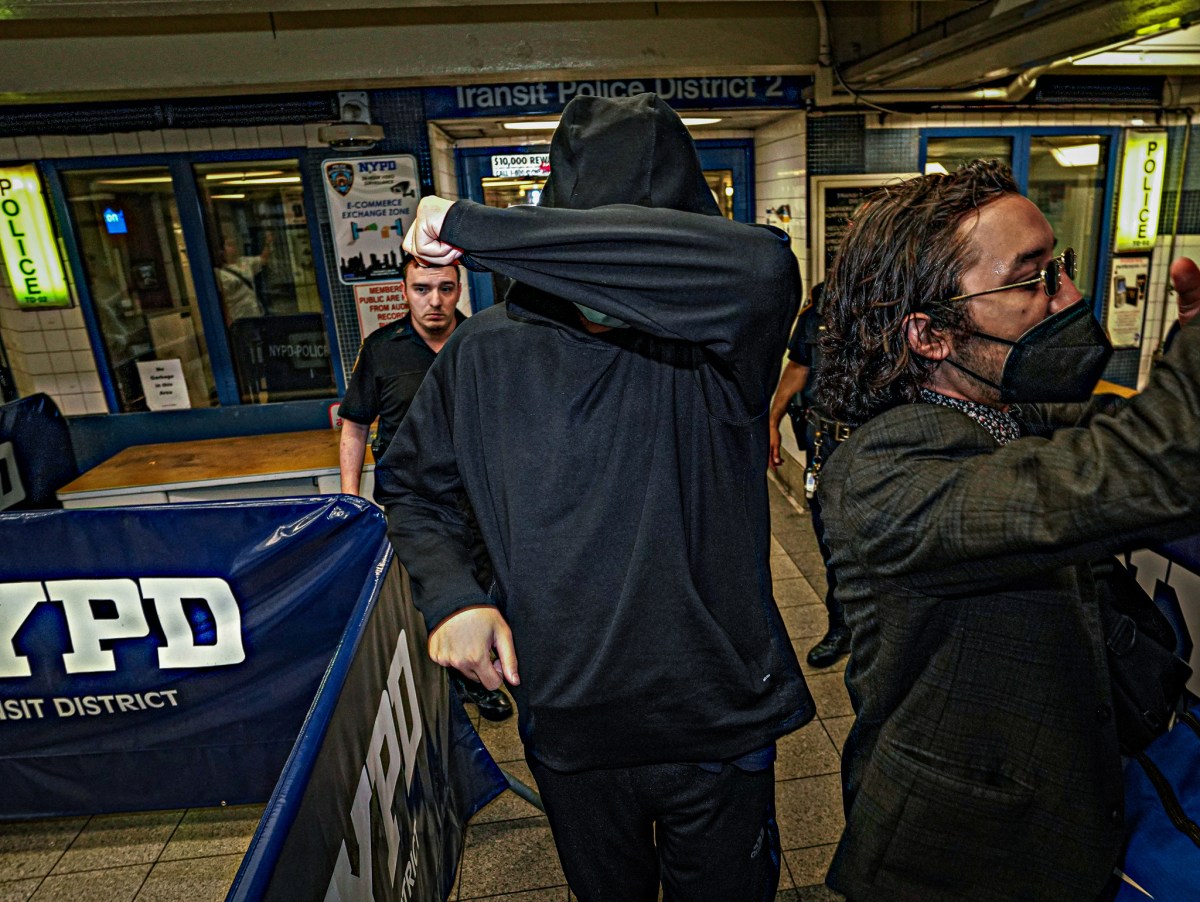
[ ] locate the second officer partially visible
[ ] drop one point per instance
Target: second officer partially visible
(819, 434)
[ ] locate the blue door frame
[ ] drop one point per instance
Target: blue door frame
(474, 164)
(98, 437)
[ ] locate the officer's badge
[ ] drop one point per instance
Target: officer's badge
(341, 177)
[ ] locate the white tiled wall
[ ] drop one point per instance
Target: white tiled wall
(49, 350)
(780, 176)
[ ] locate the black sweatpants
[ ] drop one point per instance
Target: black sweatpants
(709, 837)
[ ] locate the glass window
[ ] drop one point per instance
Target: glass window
(1066, 181)
(257, 231)
(720, 183)
(139, 279)
(948, 154)
(510, 192)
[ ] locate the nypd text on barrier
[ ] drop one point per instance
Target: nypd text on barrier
(397, 730)
(92, 636)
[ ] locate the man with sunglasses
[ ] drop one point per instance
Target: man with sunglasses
(962, 519)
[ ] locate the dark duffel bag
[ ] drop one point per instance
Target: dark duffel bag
(1147, 675)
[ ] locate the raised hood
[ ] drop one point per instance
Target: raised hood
(631, 150)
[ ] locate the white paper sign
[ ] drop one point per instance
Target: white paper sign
(378, 303)
(164, 385)
(372, 202)
(1127, 301)
(521, 165)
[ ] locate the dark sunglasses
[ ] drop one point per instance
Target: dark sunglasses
(1050, 277)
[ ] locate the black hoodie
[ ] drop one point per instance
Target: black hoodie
(619, 478)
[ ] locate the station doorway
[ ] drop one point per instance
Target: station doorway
(728, 166)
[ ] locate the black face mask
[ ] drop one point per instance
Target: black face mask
(1059, 359)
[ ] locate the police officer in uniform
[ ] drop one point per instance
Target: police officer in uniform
(819, 435)
(391, 364)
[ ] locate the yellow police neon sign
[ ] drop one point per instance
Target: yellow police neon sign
(27, 241)
(1141, 190)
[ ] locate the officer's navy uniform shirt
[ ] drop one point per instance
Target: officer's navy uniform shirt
(391, 364)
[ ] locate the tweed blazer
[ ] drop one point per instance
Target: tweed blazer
(983, 760)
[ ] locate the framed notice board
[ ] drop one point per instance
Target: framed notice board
(833, 198)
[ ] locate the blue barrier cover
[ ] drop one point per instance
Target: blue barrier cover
(385, 774)
(35, 454)
(166, 656)
(1185, 552)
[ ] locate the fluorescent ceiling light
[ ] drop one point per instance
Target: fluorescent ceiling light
(218, 176)
(935, 169)
(228, 196)
(535, 125)
(139, 180)
(1165, 49)
(276, 180)
(1134, 57)
(1077, 155)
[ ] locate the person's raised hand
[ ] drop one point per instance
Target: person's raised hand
(478, 643)
(1185, 277)
(423, 239)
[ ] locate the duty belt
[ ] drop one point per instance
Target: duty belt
(823, 426)
(836, 428)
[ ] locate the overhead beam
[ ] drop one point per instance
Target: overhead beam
(76, 60)
(1000, 41)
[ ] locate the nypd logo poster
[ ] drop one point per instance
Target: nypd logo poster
(372, 202)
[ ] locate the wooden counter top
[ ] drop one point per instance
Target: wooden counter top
(217, 461)
(1103, 387)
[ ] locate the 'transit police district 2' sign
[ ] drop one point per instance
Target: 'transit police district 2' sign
(707, 92)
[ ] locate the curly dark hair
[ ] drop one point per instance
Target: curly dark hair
(903, 253)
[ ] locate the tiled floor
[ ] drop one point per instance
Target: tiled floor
(192, 856)
(155, 856)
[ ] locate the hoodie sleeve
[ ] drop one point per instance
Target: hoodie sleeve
(729, 287)
(418, 483)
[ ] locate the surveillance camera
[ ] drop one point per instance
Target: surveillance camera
(350, 135)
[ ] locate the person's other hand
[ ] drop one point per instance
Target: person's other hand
(1185, 277)
(775, 458)
(466, 641)
(423, 239)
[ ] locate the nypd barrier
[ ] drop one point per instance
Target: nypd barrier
(1170, 574)
(168, 656)
(385, 773)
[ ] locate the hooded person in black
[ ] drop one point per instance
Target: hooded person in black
(608, 425)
